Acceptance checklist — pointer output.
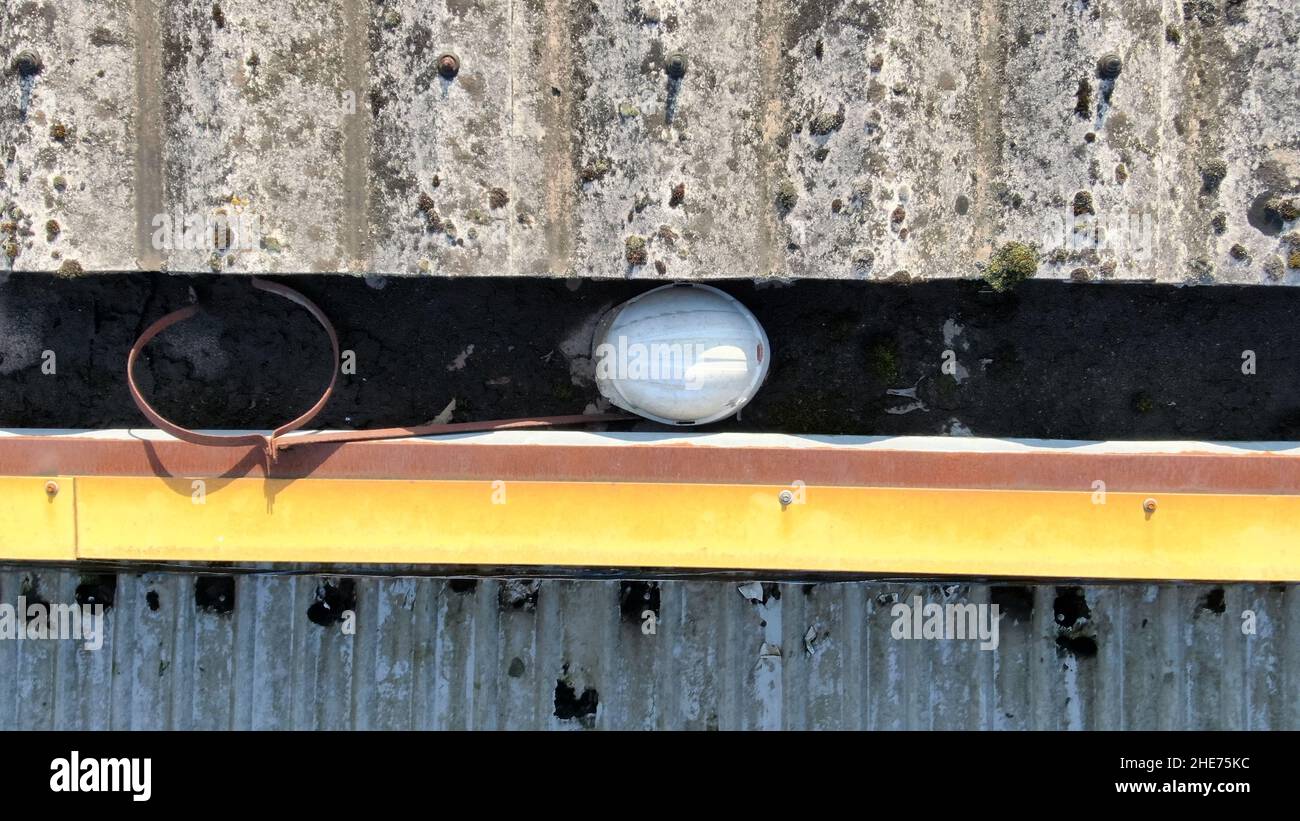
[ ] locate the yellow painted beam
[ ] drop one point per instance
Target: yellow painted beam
(35, 524)
(740, 527)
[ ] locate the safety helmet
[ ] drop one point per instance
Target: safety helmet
(682, 354)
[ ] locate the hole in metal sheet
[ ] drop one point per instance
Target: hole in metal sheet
(333, 599)
(97, 589)
(215, 594)
(636, 597)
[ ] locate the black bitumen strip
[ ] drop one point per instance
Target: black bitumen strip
(1052, 360)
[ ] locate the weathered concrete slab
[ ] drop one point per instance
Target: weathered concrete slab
(882, 139)
(255, 125)
(440, 157)
(67, 139)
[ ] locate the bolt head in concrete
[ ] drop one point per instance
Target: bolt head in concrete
(675, 66)
(448, 66)
(28, 64)
(1109, 66)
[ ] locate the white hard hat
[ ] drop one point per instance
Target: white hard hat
(682, 354)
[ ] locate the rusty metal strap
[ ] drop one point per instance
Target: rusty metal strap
(273, 443)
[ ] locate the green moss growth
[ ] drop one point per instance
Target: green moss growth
(945, 391)
(1083, 99)
(60, 182)
(58, 132)
(634, 250)
(806, 413)
(1012, 264)
(1083, 204)
(1172, 35)
(1239, 252)
(563, 391)
(52, 230)
(787, 195)
(477, 216)
(70, 268)
(1212, 173)
(882, 361)
(1142, 402)
(825, 122)
(593, 171)
(1293, 261)
(1273, 267)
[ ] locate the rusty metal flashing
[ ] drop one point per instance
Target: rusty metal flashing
(919, 462)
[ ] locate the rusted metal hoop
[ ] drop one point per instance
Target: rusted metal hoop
(272, 444)
(268, 443)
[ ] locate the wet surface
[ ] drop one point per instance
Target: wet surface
(1052, 360)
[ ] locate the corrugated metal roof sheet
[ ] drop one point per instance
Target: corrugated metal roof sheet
(559, 654)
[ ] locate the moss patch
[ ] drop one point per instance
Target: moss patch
(593, 171)
(1083, 99)
(787, 196)
(825, 123)
(1012, 264)
(882, 360)
(634, 250)
(1212, 174)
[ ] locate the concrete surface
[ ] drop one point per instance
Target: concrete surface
(875, 139)
(556, 654)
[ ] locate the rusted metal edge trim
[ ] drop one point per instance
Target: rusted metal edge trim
(678, 461)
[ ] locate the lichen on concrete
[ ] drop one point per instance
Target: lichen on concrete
(565, 131)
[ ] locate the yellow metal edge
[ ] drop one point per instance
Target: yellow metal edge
(987, 533)
(38, 522)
